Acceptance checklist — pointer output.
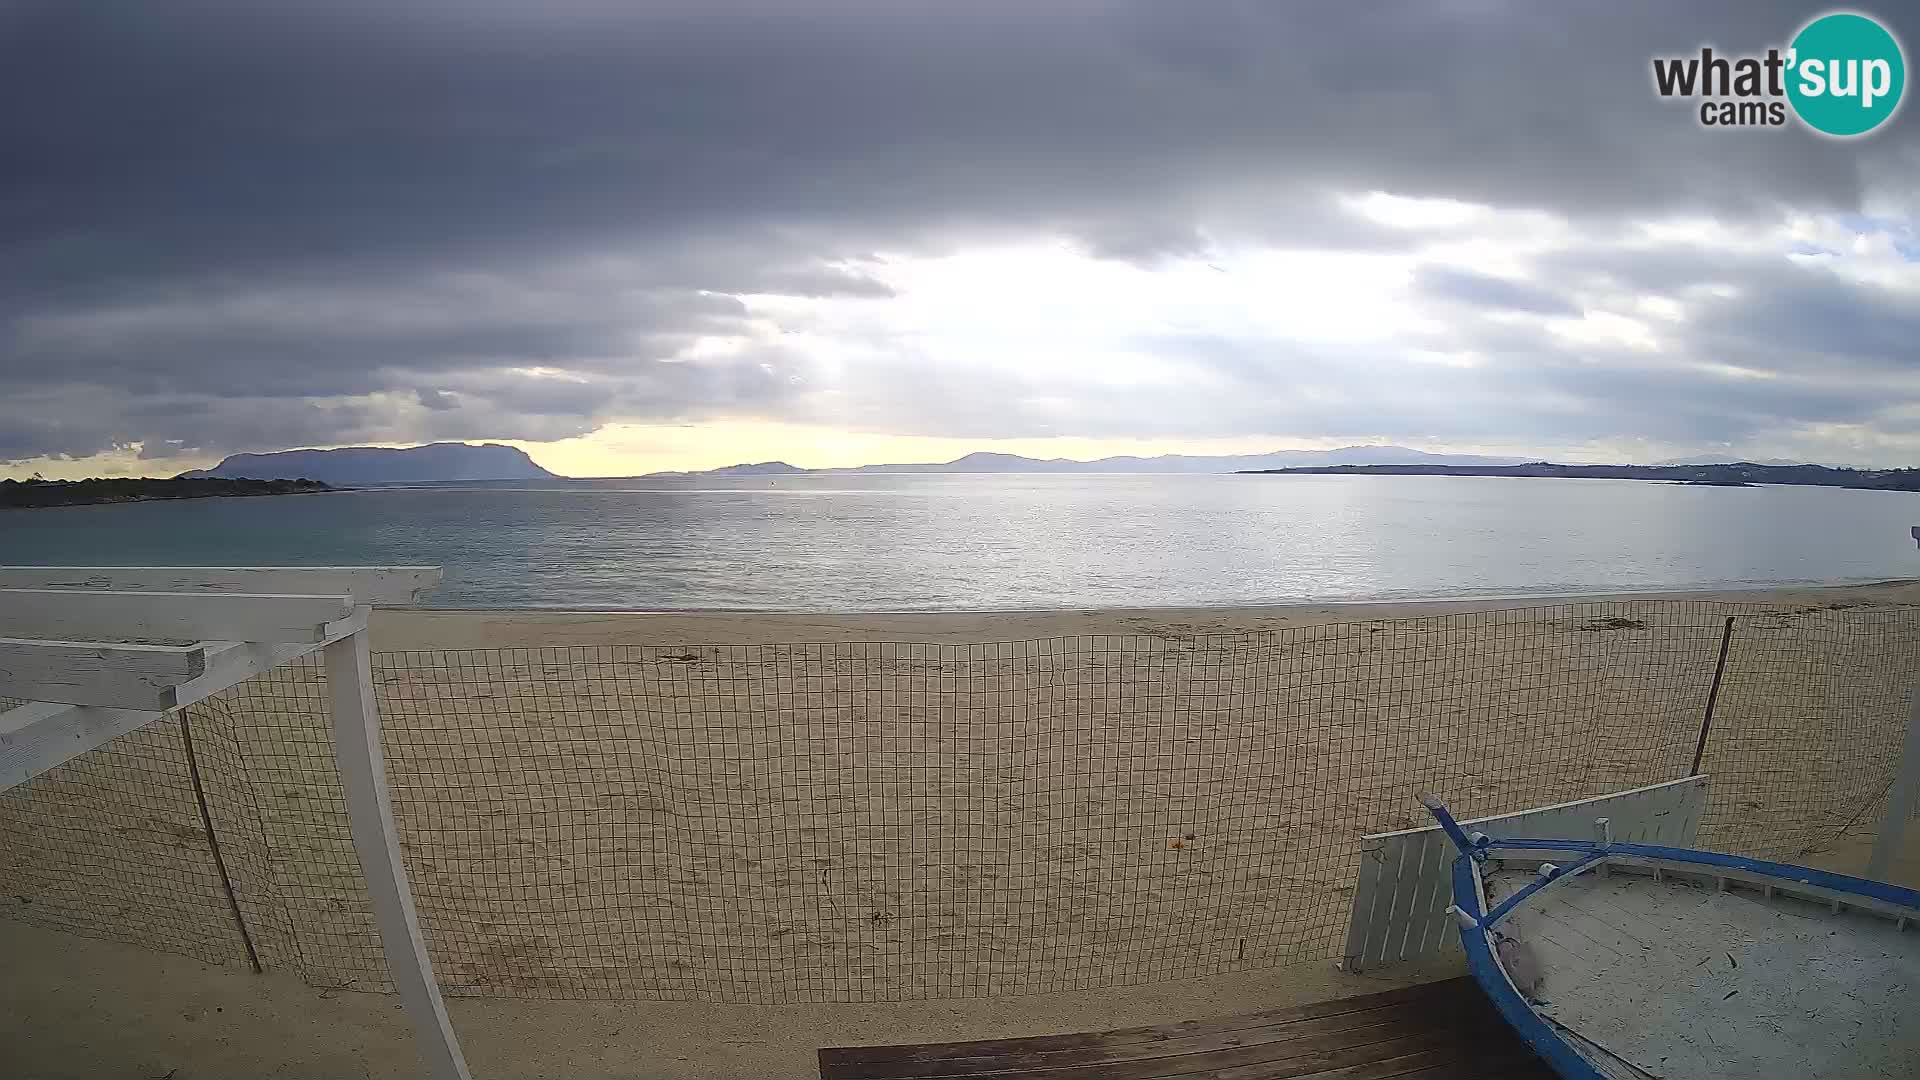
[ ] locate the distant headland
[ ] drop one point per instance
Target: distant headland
(382, 465)
(42, 493)
(1732, 474)
(290, 472)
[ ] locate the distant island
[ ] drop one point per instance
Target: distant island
(983, 462)
(1733, 474)
(40, 493)
(382, 465)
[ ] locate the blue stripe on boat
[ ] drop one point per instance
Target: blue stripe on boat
(1513, 1008)
(1804, 875)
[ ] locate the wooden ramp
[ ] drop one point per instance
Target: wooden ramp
(1444, 1029)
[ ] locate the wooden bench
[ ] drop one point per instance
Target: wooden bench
(1444, 1029)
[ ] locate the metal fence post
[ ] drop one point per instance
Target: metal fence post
(1713, 697)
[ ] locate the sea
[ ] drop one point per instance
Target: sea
(828, 542)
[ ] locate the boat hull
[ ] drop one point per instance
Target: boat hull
(1630, 961)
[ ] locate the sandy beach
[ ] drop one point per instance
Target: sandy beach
(430, 628)
(81, 1008)
(649, 807)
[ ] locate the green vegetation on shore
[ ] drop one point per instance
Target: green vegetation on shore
(1736, 474)
(36, 492)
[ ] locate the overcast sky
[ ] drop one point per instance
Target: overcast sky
(645, 235)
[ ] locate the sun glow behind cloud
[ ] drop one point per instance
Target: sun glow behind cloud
(1054, 334)
(1135, 224)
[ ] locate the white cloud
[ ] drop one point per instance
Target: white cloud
(1406, 212)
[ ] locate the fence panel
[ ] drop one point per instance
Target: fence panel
(1811, 717)
(886, 821)
(111, 845)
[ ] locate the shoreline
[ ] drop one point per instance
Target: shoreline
(1525, 599)
(407, 628)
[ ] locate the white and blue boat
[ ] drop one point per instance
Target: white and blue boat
(1622, 961)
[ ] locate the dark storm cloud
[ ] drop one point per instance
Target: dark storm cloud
(1807, 316)
(313, 339)
(240, 226)
(1793, 316)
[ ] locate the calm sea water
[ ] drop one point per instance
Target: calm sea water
(973, 541)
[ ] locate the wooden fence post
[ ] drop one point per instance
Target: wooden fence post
(356, 747)
(1713, 697)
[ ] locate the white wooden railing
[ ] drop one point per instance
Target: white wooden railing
(98, 651)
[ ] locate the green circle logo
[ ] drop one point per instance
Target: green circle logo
(1845, 74)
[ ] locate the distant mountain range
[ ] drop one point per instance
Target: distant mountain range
(1166, 463)
(1733, 474)
(450, 461)
(381, 465)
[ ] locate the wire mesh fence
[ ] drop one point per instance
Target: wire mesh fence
(1808, 728)
(112, 845)
(888, 821)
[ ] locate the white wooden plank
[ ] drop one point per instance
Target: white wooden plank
(40, 736)
(1429, 921)
(1366, 897)
(366, 584)
(1400, 879)
(86, 673)
(363, 771)
(80, 614)
(185, 660)
(1597, 804)
(230, 663)
(1405, 880)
